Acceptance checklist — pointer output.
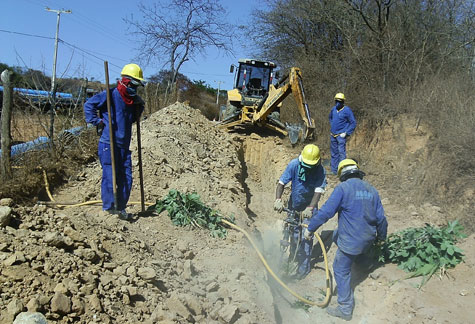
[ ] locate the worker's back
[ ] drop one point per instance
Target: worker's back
(360, 216)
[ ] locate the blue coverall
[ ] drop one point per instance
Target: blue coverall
(361, 221)
(341, 121)
(122, 118)
(301, 195)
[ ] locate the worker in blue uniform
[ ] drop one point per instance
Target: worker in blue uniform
(342, 125)
(126, 107)
(308, 182)
(361, 222)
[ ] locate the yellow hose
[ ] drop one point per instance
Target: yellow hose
(91, 202)
(46, 184)
(266, 265)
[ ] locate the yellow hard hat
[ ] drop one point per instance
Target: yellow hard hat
(344, 163)
(340, 96)
(310, 154)
(132, 70)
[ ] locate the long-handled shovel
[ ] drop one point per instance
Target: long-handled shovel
(139, 151)
(111, 138)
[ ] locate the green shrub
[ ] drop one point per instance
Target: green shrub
(188, 210)
(423, 251)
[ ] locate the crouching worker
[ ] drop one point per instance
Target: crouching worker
(308, 179)
(126, 106)
(361, 221)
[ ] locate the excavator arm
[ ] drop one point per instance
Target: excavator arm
(277, 95)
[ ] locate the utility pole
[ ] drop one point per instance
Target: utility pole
(219, 88)
(53, 79)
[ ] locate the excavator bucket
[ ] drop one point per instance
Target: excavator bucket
(297, 133)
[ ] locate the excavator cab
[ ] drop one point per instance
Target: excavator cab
(252, 79)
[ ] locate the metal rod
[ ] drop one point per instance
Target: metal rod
(111, 137)
(139, 151)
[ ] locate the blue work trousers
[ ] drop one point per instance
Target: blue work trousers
(304, 251)
(342, 272)
(123, 171)
(338, 151)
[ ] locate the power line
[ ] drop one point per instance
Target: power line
(88, 53)
(25, 34)
(206, 74)
(91, 24)
(68, 44)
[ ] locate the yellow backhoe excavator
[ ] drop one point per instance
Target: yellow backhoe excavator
(256, 100)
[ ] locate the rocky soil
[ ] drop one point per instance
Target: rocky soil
(81, 265)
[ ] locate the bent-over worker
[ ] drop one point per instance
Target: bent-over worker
(361, 221)
(342, 125)
(126, 106)
(308, 179)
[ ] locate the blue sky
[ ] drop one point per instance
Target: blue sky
(97, 27)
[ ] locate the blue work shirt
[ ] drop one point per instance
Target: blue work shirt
(122, 116)
(302, 191)
(342, 121)
(360, 215)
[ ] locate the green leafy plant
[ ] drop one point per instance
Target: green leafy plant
(423, 251)
(186, 209)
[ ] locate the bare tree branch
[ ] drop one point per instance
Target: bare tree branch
(176, 31)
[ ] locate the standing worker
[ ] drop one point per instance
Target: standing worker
(342, 125)
(308, 183)
(361, 222)
(126, 106)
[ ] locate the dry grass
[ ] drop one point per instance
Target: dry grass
(203, 101)
(27, 184)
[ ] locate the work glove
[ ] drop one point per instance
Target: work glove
(278, 205)
(100, 128)
(343, 135)
(307, 213)
(307, 234)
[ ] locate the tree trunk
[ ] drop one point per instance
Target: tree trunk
(6, 122)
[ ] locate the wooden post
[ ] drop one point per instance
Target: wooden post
(472, 69)
(84, 99)
(6, 123)
(139, 151)
(111, 137)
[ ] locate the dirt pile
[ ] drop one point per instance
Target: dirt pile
(184, 150)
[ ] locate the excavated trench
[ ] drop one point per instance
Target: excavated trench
(263, 160)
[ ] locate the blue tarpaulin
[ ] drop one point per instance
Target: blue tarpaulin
(42, 141)
(40, 93)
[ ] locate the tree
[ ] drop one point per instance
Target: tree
(375, 44)
(176, 31)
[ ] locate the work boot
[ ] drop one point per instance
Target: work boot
(336, 312)
(124, 215)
